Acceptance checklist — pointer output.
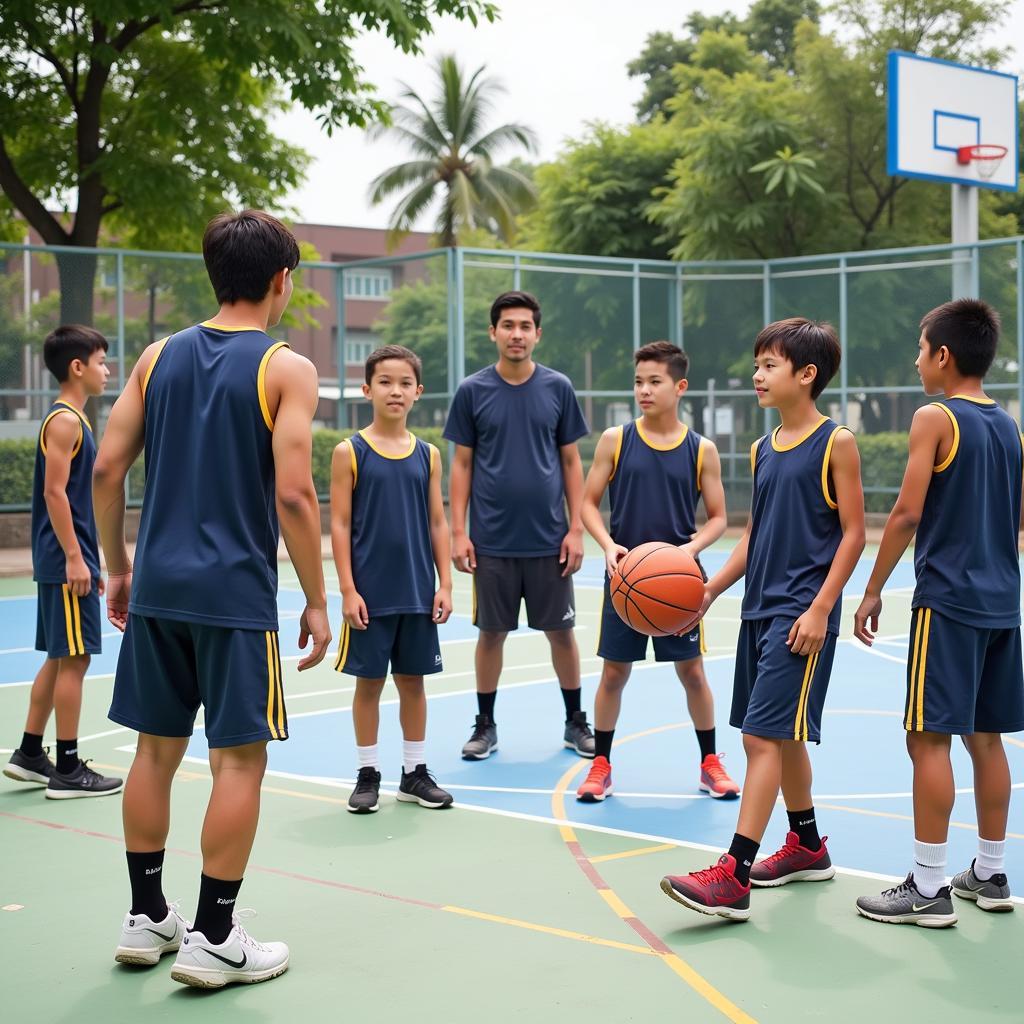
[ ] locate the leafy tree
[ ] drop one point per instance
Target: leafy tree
(153, 113)
(455, 150)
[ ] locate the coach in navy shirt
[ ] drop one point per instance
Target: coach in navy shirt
(515, 426)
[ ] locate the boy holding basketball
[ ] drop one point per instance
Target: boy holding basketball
(655, 469)
(802, 541)
(389, 533)
(964, 675)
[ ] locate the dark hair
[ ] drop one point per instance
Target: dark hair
(969, 328)
(672, 356)
(394, 352)
(243, 251)
(515, 300)
(804, 343)
(67, 343)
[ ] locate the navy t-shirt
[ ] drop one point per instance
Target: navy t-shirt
(517, 497)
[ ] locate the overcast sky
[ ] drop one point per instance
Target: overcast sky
(562, 62)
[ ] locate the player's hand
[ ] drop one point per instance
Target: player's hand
(571, 554)
(314, 623)
(807, 635)
(442, 605)
(869, 611)
(613, 554)
(78, 575)
(119, 592)
(101, 586)
(705, 604)
(353, 610)
(463, 553)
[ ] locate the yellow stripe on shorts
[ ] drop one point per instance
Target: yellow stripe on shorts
(923, 669)
(67, 618)
(78, 624)
(800, 726)
(339, 664)
(280, 688)
(271, 687)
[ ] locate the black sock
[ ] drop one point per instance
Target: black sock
(603, 743)
(67, 756)
(31, 744)
(216, 905)
(804, 825)
(145, 872)
(706, 739)
(485, 703)
(744, 850)
(571, 698)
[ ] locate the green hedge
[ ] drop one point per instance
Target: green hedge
(883, 459)
(17, 464)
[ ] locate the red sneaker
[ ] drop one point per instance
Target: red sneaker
(715, 781)
(598, 783)
(715, 891)
(793, 863)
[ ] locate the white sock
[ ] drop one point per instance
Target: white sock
(414, 752)
(929, 867)
(368, 757)
(991, 858)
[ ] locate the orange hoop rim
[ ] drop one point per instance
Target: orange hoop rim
(984, 152)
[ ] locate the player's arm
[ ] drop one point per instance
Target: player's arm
(294, 379)
(571, 554)
(930, 433)
(440, 541)
(734, 570)
(61, 438)
(713, 492)
(807, 635)
(121, 444)
(353, 608)
(596, 484)
(463, 554)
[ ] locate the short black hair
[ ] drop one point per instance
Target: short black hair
(969, 328)
(672, 356)
(243, 251)
(68, 343)
(515, 300)
(394, 352)
(804, 343)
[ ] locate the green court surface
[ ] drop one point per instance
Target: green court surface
(518, 904)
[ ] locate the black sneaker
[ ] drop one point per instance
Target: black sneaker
(23, 768)
(420, 787)
(363, 799)
(578, 736)
(83, 781)
(484, 740)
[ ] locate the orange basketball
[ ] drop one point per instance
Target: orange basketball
(658, 589)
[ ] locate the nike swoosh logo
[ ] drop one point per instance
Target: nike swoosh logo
(924, 906)
(224, 960)
(160, 935)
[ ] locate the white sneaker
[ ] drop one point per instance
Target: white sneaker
(240, 958)
(144, 941)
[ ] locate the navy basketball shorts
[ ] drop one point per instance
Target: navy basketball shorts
(776, 693)
(67, 625)
(962, 679)
(501, 584)
(407, 642)
(167, 669)
(619, 642)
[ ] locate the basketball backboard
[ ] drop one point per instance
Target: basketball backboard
(936, 108)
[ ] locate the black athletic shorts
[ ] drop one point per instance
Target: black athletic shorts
(500, 584)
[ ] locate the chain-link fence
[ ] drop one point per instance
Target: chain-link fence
(596, 312)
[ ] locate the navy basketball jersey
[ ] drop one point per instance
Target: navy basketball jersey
(653, 489)
(965, 556)
(795, 529)
(49, 563)
(207, 548)
(392, 557)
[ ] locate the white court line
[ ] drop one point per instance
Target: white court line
(877, 654)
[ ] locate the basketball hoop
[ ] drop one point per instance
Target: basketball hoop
(986, 158)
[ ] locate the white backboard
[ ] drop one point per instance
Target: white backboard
(936, 106)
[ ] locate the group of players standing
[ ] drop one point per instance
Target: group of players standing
(224, 415)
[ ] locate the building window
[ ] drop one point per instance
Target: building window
(371, 283)
(357, 351)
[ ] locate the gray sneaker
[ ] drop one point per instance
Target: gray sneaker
(578, 736)
(483, 742)
(82, 782)
(23, 768)
(364, 798)
(993, 894)
(903, 904)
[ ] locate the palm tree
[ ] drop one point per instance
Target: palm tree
(455, 151)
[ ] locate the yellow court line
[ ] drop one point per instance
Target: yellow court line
(612, 898)
(903, 817)
(660, 848)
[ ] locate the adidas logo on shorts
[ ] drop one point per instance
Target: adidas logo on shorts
(570, 614)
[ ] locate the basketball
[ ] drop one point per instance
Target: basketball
(658, 589)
